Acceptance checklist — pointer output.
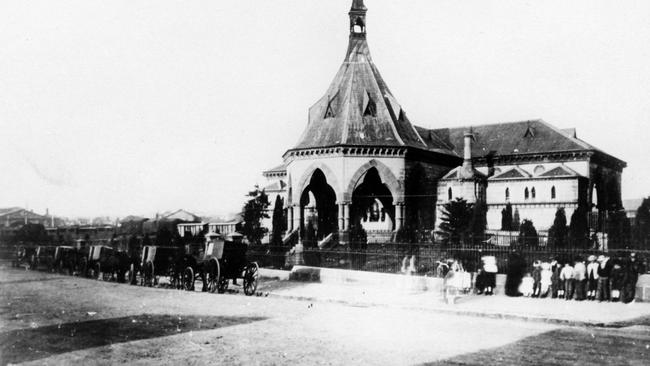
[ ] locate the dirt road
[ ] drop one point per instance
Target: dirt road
(52, 319)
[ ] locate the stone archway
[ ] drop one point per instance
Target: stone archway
(372, 203)
(387, 177)
(318, 210)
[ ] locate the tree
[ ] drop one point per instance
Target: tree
(279, 222)
(33, 233)
(642, 225)
(528, 234)
(254, 211)
(455, 221)
(557, 234)
(579, 227)
(618, 230)
(479, 220)
(506, 217)
(516, 221)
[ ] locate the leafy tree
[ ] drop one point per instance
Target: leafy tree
(455, 220)
(557, 234)
(642, 224)
(254, 211)
(506, 218)
(34, 233)
(618, 230)
(579, 227)
(528, 234)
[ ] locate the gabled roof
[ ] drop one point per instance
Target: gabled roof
(510, 138)
(8, 210)
(453, 174)
(358, 108)
(560, 171)
(282, 168)
(275, 186)
(513, 173)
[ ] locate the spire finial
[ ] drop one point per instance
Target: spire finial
(358, 18)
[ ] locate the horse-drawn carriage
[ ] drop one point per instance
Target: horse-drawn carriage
(65, 259)
(43, 257)
(157, 261)
(23, 255)
(104, 262)
(216, 261)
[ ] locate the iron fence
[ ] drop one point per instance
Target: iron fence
(396, 257)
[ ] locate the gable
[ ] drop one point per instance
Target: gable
(513, 173)
(559, 171)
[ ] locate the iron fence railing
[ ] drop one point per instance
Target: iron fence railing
(394, 257)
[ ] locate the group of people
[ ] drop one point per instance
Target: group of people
(597, 278)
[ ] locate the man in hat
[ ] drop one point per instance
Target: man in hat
(592, 277)
(632, 270)
(604, 269)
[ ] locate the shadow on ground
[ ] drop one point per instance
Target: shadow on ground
(35, 343)
(584, 346)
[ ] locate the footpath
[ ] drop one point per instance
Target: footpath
(391, 294)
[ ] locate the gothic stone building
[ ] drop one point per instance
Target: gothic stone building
(360, 161)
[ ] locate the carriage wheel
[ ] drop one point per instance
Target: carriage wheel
(149, 274)
(213, 276)
(251, 274)
(188, 279)
(132, 275)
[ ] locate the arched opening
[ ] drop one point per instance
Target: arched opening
(318, 207)
(532, 193)
(507, 194)
(372, 204)
(526, 193)
(358, 26)
(553, 192)
(450, 194)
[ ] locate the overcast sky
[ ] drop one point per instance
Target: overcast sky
(133, 107)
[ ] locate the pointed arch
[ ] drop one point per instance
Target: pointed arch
(306, 177)
(387, 177)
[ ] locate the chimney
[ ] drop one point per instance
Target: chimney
(467, 170)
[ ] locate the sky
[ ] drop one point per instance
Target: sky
(137, 107)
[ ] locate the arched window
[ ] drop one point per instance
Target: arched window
(450, 194)
(507, 194)
(532, 193)
(526, 193)
(553, 192)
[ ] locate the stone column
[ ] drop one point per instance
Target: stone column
(341, 218)
(346, 216)
(399, 216)
(289, 219)
(296, 217)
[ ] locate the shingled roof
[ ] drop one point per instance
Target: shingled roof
(524, 137)
(358, 108)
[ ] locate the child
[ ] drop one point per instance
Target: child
(616, 279)
(566, 276)
(545, 282)
(592, 277)
(526, 286)
(490, 269)
(579, 279)
(537, 278)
